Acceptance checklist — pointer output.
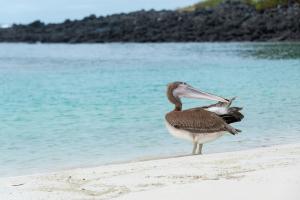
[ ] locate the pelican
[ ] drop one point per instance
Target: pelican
(202, 124)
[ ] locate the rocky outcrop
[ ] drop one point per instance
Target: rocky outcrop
(229, 21)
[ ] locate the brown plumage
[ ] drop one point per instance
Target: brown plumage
(198, 121)
(202, 124)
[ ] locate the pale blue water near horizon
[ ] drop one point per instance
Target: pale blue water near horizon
(65, 106)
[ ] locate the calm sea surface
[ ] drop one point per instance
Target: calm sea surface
(65, 106)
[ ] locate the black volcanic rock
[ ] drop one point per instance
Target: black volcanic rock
(229, 21)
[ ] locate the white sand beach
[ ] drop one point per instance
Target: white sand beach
(263, 173)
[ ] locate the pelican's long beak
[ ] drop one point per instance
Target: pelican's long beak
(190, 92)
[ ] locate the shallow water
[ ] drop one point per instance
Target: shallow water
(66, 106)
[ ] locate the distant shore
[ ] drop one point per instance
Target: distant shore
(262, 173)
(228, 21)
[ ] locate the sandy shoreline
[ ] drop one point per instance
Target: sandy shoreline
(262, 173)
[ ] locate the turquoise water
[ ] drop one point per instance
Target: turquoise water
(65, 106)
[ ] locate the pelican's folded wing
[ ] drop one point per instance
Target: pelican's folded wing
(197, 121)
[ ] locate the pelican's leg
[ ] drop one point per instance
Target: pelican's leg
(195, 148)
(199, 149)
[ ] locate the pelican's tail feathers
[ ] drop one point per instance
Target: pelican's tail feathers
(232, 130)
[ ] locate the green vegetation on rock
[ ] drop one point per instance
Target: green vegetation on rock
(258, 4)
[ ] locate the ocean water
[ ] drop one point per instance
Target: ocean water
(66, 106)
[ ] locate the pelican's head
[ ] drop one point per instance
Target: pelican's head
(177, 90)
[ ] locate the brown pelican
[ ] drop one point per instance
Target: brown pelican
(202, 124)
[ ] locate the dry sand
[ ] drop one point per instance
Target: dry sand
(263, 173)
